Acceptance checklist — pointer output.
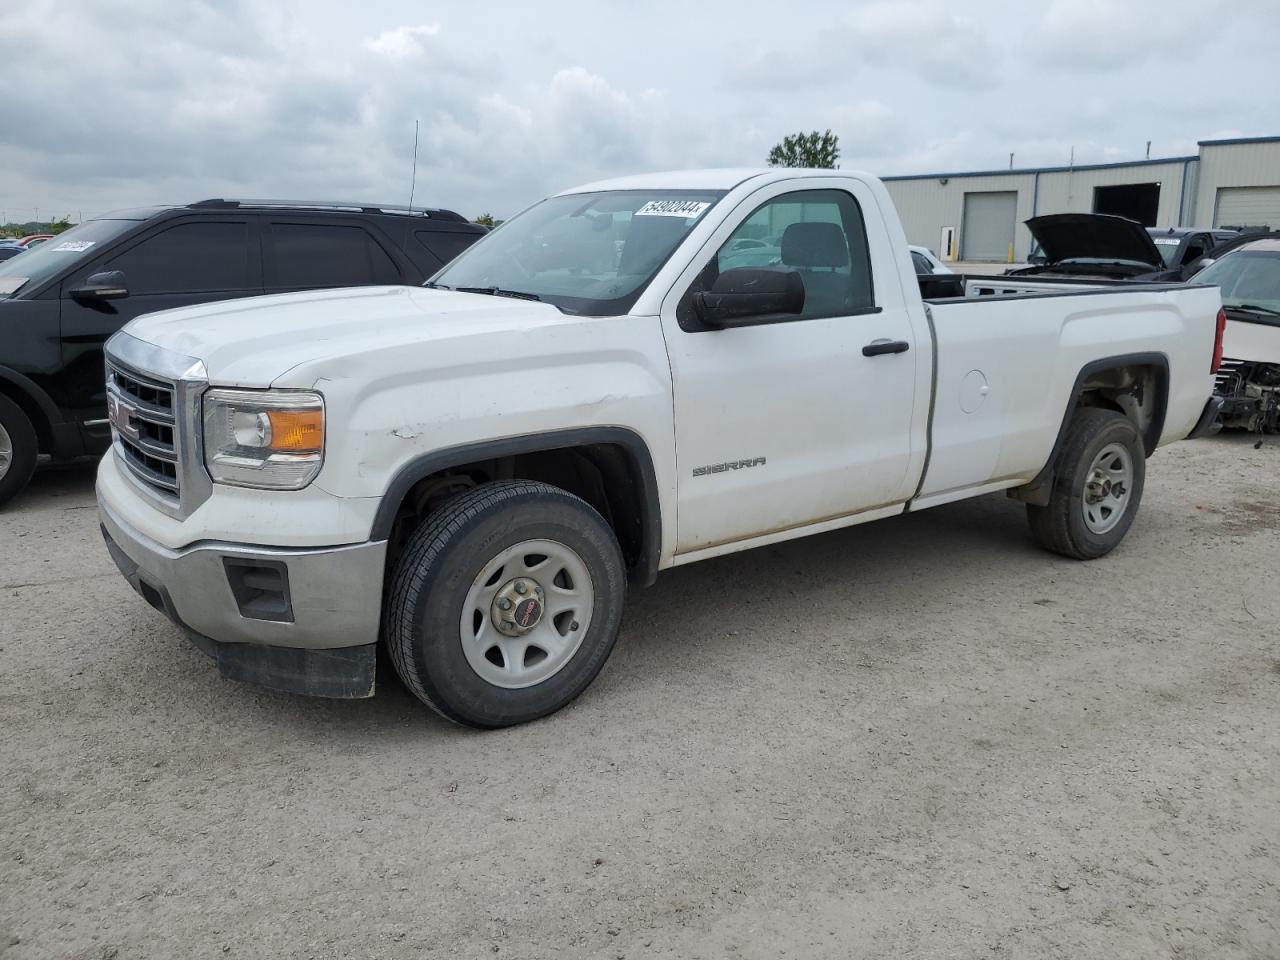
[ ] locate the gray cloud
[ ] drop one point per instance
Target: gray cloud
(120, 103)
(875, 42)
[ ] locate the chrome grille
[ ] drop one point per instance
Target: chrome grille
(141, 411)
(153, 404)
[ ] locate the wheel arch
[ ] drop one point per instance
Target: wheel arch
(34, 402)
(609, 467)
(1107, 382)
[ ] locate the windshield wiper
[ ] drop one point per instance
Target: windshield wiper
(499, 292)
(1253, 308)
(430, 285)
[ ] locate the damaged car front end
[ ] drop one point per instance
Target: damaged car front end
(1248, 380)
(1251, 395)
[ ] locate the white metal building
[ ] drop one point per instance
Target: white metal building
(979, 216)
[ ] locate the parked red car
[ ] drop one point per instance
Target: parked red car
(31, 239)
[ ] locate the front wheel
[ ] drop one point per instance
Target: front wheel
(1097, 487)
(17, 449)
(505, 604)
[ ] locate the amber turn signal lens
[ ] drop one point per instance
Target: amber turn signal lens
(297, 431)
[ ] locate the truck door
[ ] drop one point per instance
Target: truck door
(800, 418)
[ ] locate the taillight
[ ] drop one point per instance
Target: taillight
(1217, 341)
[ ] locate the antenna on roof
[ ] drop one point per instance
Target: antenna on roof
(413, 180)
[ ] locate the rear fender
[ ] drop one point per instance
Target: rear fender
(1110, 376)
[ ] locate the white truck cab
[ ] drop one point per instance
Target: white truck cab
(626, 377)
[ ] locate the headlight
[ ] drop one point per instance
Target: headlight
(272, 439)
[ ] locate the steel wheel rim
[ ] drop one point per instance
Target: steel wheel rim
(1108, 487)
(6, 451)
(554, 575)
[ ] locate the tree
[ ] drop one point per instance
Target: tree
(60, 225)
(814, 149)
(486, 220)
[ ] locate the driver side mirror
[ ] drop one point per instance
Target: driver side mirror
(744, 294)
(104, 285)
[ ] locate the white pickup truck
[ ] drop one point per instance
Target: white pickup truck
(626, 377)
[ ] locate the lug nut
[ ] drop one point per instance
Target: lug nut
(504, 604)
(521, 588)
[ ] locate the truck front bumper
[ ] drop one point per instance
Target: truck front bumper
(296, 620)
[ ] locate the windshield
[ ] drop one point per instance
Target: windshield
(42, 262)
(586, 253)
(1168, 247)
(1248, 278)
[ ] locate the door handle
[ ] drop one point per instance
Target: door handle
(876, 347)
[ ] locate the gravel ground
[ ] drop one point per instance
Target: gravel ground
(921, 738)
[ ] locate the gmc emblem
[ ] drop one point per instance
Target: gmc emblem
(121, 416)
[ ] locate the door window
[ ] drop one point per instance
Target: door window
(1197, 247)
(326, 255)
(818, 234)
(205, 257)
(442, 245)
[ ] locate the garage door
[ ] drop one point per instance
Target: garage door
(1247, 207)
(987, 228)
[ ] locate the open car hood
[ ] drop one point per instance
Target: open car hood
(1096, 236)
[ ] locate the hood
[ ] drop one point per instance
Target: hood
(252, 342)
(1095, 236)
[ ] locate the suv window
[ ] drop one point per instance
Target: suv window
(819, 234)
(923, 266)
(444, 246)
(187, 258)
(1197, 247)
(326, 255)
(47, 260)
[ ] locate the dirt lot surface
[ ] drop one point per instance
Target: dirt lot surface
(920, 738)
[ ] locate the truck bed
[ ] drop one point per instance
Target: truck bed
(943, 287)
(1008, 361)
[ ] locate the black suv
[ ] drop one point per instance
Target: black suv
(60, 301)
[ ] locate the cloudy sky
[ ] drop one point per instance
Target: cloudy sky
(109, 103)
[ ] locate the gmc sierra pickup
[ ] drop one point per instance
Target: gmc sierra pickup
(626, 377)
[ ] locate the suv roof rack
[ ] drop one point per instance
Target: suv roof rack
(431, 213)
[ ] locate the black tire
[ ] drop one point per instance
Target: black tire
(1060, 526)
(21, 440)
(444, 558)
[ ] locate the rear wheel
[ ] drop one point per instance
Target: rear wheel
(1097, 487)
(17, 449)
(505, 604)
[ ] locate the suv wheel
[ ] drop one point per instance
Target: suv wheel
(505, 604)
(17, 449)
(1097, 487)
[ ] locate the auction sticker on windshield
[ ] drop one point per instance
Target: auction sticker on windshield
(1167, 241)
(10, 285)
(73, 246)
(687, 209)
